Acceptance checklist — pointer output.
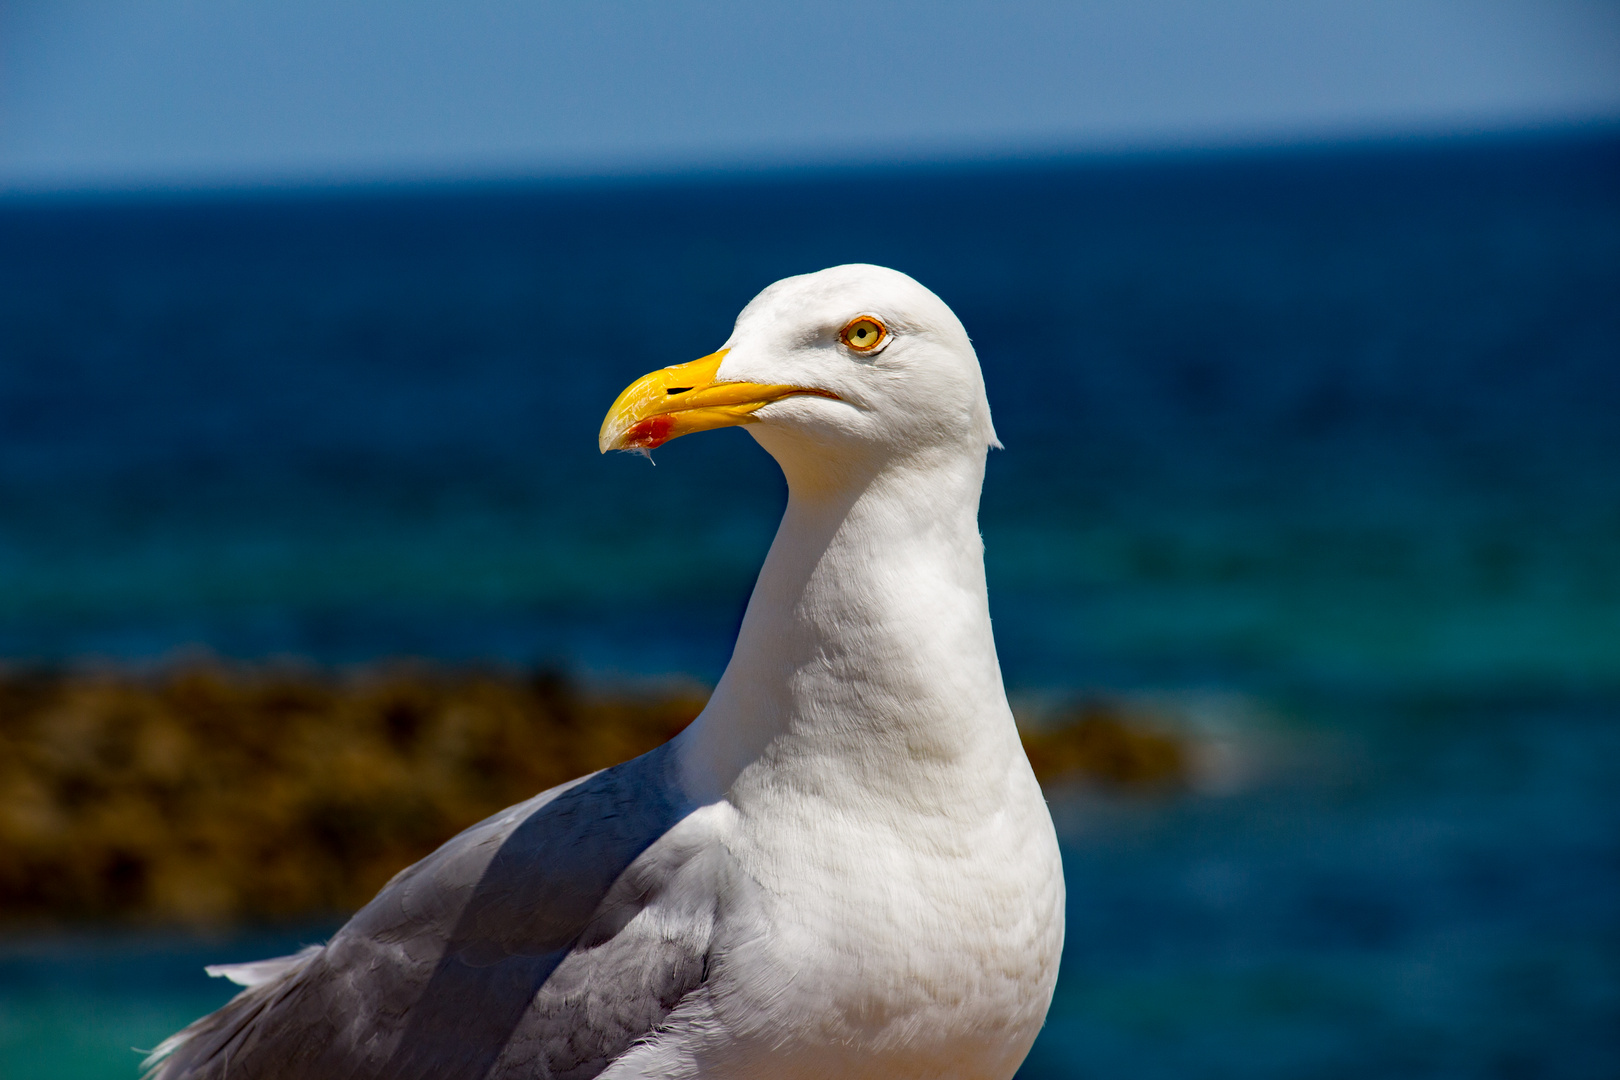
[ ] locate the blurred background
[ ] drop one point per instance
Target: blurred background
(1300, 324)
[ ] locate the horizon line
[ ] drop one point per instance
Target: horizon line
(784, 165)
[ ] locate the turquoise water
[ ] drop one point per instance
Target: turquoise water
(1331, 433)
(83, 1006)
(1433, 897)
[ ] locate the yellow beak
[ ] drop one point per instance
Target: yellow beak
(676, 401)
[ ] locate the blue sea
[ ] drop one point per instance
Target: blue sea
(1318, 448)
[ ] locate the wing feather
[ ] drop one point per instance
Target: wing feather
(543, 942)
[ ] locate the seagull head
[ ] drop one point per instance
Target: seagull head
(851, 364)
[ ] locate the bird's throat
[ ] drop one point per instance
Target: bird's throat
(865, 655)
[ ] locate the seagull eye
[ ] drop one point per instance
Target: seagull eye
(863, 334)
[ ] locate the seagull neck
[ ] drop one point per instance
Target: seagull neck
(865, 652)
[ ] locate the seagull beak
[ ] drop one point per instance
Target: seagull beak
(676, 401)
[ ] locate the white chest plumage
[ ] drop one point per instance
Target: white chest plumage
(918, 946)
(895, 946)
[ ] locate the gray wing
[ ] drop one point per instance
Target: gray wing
(513, 950)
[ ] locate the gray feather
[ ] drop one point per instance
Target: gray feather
(513, 950)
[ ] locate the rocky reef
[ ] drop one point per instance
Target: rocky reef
(207, 793)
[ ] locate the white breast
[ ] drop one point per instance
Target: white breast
(886, 945)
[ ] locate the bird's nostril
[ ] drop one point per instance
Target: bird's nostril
(677, 389)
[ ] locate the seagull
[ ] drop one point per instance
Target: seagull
(843, 868)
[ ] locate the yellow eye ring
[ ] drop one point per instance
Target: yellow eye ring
(863, 334)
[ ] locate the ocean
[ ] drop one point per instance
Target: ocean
(1322, 444)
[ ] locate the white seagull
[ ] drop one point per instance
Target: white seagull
(843, 868)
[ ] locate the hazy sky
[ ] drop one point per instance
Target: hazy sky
(181, 92)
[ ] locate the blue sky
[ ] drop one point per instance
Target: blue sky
(144, 93)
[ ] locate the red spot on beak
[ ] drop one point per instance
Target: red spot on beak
(649, 434)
